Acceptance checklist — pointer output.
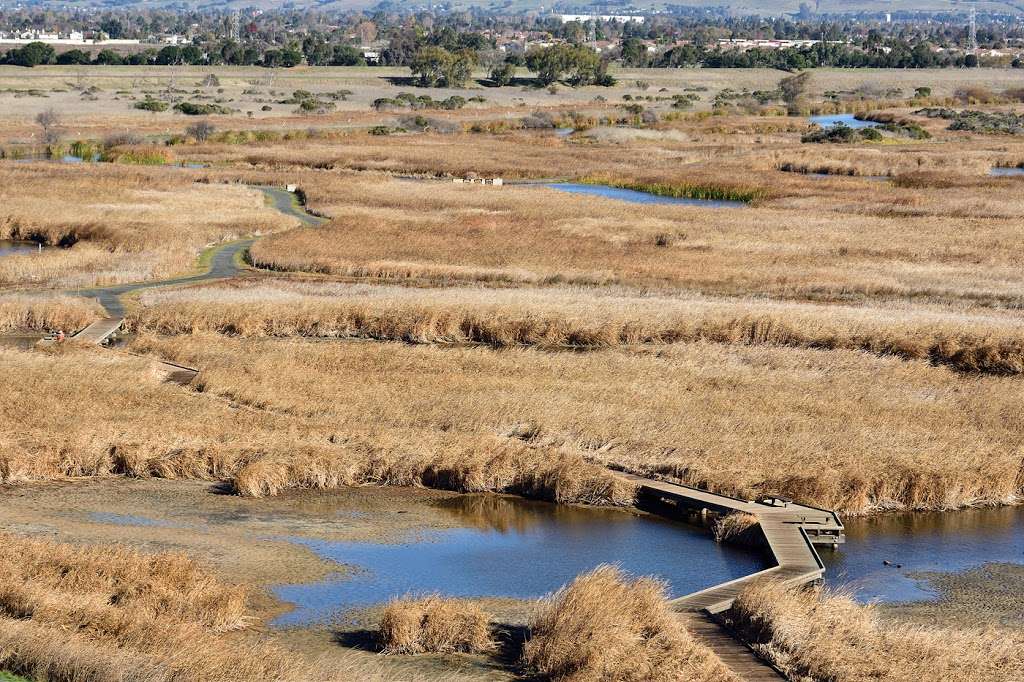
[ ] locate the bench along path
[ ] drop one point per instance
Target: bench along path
(223, 265)
(790, 530)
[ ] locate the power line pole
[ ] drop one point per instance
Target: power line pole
(974, 28)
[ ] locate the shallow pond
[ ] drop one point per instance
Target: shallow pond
(509, 547)
(848, 120)
(1002, 172)
(635, 197)
(952, 541)
(15, 248)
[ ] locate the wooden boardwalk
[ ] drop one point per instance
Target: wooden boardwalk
(100, 331)
(790, 531)
(735, 655)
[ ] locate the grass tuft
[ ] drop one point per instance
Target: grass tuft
(434, 624)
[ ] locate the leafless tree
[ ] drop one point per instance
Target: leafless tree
(49, 121)
(200, 130)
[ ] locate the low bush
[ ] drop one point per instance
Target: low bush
(193, 109)
(434, 624)
(150, 104)
(607, 627)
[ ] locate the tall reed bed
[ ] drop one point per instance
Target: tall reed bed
(43, 312)
(682, 189)
(822, 636)
(840, 429)
(967, 340)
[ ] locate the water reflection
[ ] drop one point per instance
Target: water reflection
(1004, 172)
(848, 120)
(515, 548)
(635, 197)
(10, 247)
(914, 542)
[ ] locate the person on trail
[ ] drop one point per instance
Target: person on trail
(60, 336)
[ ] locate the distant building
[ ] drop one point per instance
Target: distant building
(621, 18)
(56, 38)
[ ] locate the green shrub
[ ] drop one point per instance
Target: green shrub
(150, 104)
(193, 109)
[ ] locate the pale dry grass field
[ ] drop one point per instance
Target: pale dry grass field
(120, 224)
(86, 412)
(836, 240)
(821, 636)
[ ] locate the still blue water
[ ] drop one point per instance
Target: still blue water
(1006, 171)
(516, 548)
(848, 120)
(14, 248)
(950, 541)
(639, 197)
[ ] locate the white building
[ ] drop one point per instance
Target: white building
(621, 18)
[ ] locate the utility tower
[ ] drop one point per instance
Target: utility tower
(974, 28)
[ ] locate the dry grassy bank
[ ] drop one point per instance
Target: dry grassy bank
(607, 627)
(823, 637)
(837, 428)
(968, 339)
(122, 224)
(106, 613)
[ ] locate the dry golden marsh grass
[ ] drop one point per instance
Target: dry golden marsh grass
(847, 342)
(841, 429)
(35, 312)
(124, 224)
(607, 627)
(106, 613)
(819, 636)
(971, 339)
(833, 240)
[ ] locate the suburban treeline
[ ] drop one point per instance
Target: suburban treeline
(445, 48)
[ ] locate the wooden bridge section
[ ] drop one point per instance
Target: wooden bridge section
(100, 331)
(790, 531)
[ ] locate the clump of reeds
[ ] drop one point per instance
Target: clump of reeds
(607, 627)
(80, 614)
(434, 624)
(733, 525)
(828, 637)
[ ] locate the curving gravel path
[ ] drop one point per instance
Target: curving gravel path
(223, 266)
